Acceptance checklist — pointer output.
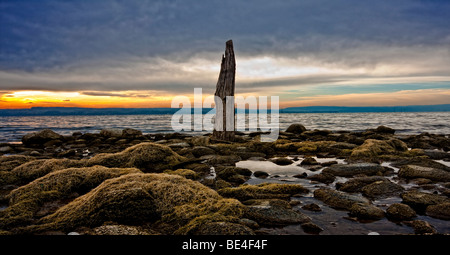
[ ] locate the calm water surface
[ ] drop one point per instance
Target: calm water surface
(13, 128)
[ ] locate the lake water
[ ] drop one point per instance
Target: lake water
(13, 128)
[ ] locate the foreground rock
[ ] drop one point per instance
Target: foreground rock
(29, 200)
(137, 199)
(119, 230)
(37, 168)
(413, 171)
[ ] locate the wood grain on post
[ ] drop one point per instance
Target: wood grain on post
(224, 125)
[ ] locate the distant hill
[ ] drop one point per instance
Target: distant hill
(63, 111)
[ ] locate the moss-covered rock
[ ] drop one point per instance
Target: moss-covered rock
(186, 173)
(357, 183)
(119, 230)
(37, 168)
(349, 170)
(309, 148)
(372, 149)
(222, 228)
(420, 200)
(439, 211)
(274, 212)
(326, 178)
(366, 211)
(148, 157)
(382, 189)
(25, 202)
(413, 172)
(338, 199)
(233, 174)
(144, 198)
(263, 191)
(398, 211)
(8, 163)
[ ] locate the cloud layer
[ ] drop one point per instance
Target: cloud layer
(103, 48)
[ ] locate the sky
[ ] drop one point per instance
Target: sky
(138, 53)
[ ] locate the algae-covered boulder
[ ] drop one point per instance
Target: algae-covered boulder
(365, 211)
(222, 228)
(233, 174)
(398, 211)
(413, 171)
(439, 211)
(357, 183)
(38, 168)
(186, 173)
(420, 200)
(338, 199)
(8, 163)
(263, 191)
(148, 157)
(120, 230)
(25, 201)
(382, 189)
(354, 169)
(143, 198)
(372, 149)
(274, 212)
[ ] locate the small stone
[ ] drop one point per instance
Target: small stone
(422, 227)
(385, 130)
(282, 161)
(311, 228)
(111, 132)
(260, 174)
(312, 207)
(296, 128)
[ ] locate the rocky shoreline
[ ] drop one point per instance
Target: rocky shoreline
(127, 183)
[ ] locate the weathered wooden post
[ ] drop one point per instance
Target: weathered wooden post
(224, 123)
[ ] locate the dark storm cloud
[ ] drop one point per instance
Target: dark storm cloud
(57, 38)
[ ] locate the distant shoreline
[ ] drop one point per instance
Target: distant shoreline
(74, 111)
